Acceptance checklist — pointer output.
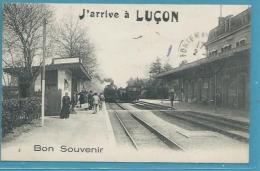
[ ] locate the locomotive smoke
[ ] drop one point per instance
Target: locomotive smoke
(104, 80)
(109, 80)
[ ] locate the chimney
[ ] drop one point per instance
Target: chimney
(221, 21)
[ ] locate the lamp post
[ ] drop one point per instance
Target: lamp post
(43, 70)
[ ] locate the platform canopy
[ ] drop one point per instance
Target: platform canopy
(236, 53)
(73, 64)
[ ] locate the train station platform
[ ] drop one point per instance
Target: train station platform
(239, 115)
(83, 137)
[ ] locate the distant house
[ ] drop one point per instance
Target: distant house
(62, 75)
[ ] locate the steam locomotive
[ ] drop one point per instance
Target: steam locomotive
(128, 94)
(110, 93)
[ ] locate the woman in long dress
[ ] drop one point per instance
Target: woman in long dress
(65, 110)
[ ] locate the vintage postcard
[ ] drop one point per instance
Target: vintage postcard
(126, 82)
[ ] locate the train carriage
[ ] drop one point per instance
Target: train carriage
(133, 93)
(128, 94)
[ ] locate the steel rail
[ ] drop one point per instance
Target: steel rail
(126, 130)
(219, 118)
(236, 125)
(210, 127)
(170, 143)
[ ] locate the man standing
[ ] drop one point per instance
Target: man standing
(74, 101)
(96, 101)
(102, 100)
(171, 97)
(86, 106)
(81, 98)
(90, 100)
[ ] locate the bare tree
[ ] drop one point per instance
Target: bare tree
(22, 41)
(72, 41)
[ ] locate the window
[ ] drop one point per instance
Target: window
(241, 43)
(226, 48)
(237, 44)
(66, 85)
(229, 47)
(213, 53)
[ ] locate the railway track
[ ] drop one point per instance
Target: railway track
(232, 128)
(141, 134)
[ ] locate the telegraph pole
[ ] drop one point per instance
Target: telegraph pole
(43, 69)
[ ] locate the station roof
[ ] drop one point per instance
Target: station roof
(183, 67)
(203, 61)
(76, 67)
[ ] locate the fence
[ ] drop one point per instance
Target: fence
(17, 112)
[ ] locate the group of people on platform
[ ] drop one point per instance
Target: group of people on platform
(94, 101)
(87, 100)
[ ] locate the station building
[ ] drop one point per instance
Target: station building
(222, 77)
(62, 75)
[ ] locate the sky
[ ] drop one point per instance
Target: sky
(121, 54)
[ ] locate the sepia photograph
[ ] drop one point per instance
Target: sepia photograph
(126, 82)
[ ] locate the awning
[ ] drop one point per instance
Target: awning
(203, 61)
(77, 69)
